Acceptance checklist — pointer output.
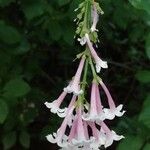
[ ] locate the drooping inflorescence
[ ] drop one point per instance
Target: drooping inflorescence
(84, 124)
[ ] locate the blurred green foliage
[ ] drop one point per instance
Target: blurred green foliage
(36, 51)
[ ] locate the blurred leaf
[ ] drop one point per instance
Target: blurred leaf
(16, 88)
(24, 139)
(4, 3)
(131, 142)
(10, 120)
(145, 113)
(3, 110)
(33, 9)
(9, 34)
(63, 2)
(29, 116)
(147, 46)
(141, 4)
(23, 47)
(143, 76)
(9, 139)
(55, 30)
(147, 147)
(120, 18)
(68, 34)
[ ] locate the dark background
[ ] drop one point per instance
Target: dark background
(37, 49)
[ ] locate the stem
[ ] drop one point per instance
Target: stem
(87, 15)
(92, 68)
(85, 75)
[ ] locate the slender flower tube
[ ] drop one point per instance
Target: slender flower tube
(95, 113)
(81, 138)
(60, 138)
(110, 135)
(55, 105)
(78, 136)
(74, 86)
(95, 17)
(99, 62)
(98, 135)
(113, 110)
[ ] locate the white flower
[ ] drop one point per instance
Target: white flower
(99, 136)
(95, 113)
(55, 109)
(53, 138)
(55, 105)
(95, 17)
(74, 86)
(111, 113)
(109, 135)
(99, 62)
(73, 89)
(82, 40)
(112, 136)
(60, 138)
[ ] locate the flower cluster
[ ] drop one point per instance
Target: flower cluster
(84, 125)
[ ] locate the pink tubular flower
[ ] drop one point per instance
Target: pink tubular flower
(55, 105)
(110, 135)
(98, 135)
(95, 17)
(81, 137)
(95, 113)
(113, 110)
(99, 62)
(74, 86)
(78, 137)
(60, 138)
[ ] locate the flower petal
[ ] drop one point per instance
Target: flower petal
(108, 114)
(51, 138)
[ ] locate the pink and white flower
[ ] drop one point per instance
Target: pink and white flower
(99, 62)
(98, 135)
(55, 105)
(95, 18)
(80, 137)
(60, 138)
(96, 109)
(74, 86)
(110, 135)
(112, 111)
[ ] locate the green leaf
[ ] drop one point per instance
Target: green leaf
(147, 46)
(24, 139)
(55, 30)
(29, 116)
(144, 116)
(33, 9)
(63, 2)
(16, 88)
(9, 34)
(141, 4)
(4, 3)
(23, 47)
(147, 147)
(131, 142)
(68, 34)
(9, 140)
(3, 111)
(143, 76)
